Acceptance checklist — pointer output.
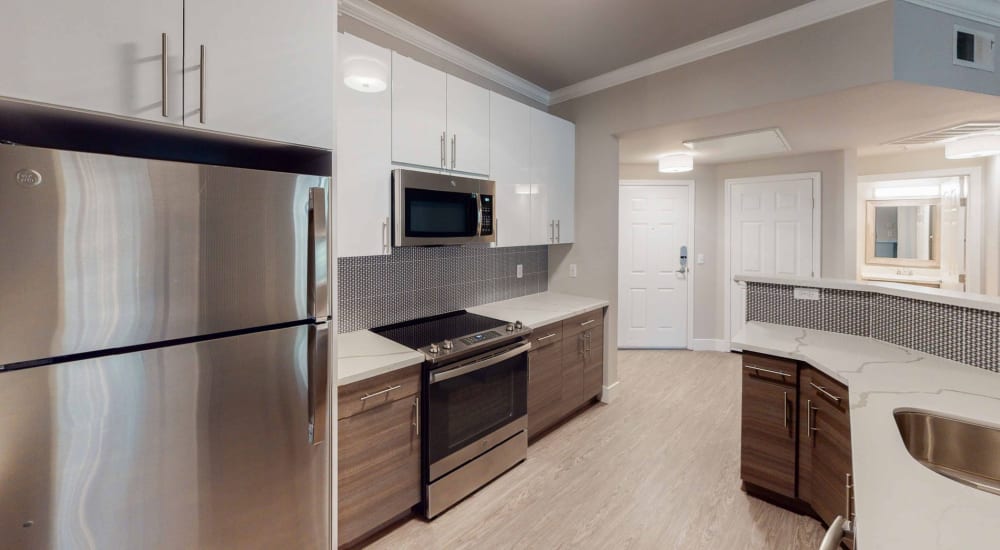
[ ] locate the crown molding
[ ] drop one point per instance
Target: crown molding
(392, 24)
(984, 11)
(781, 23)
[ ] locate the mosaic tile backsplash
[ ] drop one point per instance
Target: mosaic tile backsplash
(420, 282)
(970, 336)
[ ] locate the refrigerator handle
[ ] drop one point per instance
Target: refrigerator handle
(319, 297)
(319, 375)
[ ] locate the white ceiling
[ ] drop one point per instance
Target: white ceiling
(555, 43)
(862, 118)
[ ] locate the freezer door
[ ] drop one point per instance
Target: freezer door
(195, 446)
(100, 252)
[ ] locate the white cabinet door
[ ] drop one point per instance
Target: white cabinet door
(266, 71)
(100, 55)
(553, 168)
(419, 113)
(510, 157)
(364, 128)
(468, 127)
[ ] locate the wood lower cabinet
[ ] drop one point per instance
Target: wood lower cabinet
(378, 454)
(796, 437)
(768, 445)
(824, 446)
(565, 369)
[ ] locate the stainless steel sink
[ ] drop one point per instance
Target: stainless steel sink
(964, 451)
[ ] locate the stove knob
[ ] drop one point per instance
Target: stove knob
(518, 325)
(510, 328)
(434, 348)
(447, 344)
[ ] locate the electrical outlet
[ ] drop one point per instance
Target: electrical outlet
(520, 271)
(806, 293)
(572, 270)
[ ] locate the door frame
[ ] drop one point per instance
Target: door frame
(692, 271)
(817, 230)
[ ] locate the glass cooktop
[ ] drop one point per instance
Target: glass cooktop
(450, 326)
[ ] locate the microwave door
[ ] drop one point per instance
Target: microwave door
(433, 217)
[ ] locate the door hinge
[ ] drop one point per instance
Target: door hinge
(963, 202)
(961, 278)
(814, 204)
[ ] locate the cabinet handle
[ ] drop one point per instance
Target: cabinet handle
(760, 370)
(202, 79)
(585, 323)
(444, 136)
(848, 488)
(454, 149)
(164, 75)
(784, 407)
(811, 419)
(822, 390)
(558, 232)
(385, 236)
(553, 335)
(416, 414)
(378, 393)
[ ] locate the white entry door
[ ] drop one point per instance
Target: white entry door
(774, 230)
(653, 287)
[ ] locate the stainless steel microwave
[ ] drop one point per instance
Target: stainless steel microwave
(437, 209)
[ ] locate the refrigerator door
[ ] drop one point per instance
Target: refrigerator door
(100, 252)
(200, 445)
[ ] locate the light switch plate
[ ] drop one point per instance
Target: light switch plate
(572, 270)
(520, 271)
(806, 293)
(701, 259)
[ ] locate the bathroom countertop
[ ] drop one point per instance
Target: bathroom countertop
(898, 502)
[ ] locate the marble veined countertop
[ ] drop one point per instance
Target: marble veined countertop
(363, 354)
(898, 502)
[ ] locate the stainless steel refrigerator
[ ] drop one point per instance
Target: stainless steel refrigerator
(163, 359)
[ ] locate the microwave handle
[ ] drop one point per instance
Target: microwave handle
(480, 364)
(318, 274)
(479, 215)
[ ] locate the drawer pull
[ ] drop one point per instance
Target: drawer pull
(553, 335)
(822, 390)
(810, 418)
(585, 323)
(378, 393)
(784, 407)
(760, 370)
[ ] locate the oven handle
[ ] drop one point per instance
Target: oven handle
(478, 364)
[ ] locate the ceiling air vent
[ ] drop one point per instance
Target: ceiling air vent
(948, 134)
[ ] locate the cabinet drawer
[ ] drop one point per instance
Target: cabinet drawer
(771, 369)
(546, 335)
(589, 320)
(378, 467)
(377, 391)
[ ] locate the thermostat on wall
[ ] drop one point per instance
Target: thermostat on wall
(806, 293)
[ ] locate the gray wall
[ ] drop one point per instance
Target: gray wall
(803, 63)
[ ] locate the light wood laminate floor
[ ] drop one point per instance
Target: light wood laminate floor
(658, 468)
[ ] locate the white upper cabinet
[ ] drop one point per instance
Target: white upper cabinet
(510, 159)
(99, 55)
(364, 128)
(468, 127)
(419, 113)
(438, 121)
(260, 69)
(553, 178)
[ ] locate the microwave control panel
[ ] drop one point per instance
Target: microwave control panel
(486, 207)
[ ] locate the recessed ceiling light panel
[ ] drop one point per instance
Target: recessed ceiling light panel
(740, 146)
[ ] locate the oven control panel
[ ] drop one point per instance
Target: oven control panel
(481, 337)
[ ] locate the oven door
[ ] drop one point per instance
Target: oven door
(436, 209)
(475, 405)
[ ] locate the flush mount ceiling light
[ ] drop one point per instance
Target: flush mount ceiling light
(985, 145)
(675, 163)
(740, 146)
(365, 74)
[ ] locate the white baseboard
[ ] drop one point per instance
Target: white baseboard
(709, 344)
(609, 393)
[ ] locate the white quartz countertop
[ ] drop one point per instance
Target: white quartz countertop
(364, 354)
(898, 502)
(927, 294)
(536, 310)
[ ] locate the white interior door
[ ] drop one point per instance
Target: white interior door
(772, 232)
(653, 225)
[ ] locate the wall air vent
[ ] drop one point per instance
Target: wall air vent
(948, 134)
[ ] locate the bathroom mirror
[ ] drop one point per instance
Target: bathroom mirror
(904, 232)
